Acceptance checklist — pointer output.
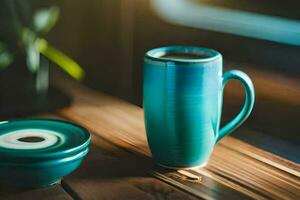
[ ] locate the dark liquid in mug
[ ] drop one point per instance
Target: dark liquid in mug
(184, 56)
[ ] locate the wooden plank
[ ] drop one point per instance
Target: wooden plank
(283, 148)
(103, 176)
(234, 164)
(261, 155)
(54, 192)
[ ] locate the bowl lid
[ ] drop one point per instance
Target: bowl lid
(41, 138)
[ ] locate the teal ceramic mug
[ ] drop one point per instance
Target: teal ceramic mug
(182, 99)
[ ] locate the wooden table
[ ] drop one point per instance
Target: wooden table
(119, 165)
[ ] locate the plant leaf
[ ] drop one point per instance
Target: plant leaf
(32, 54)
(44, 19)
(6, 58)
(33, 58)
(59, 58)
(28, 36)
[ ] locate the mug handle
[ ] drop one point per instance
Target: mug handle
(248, 105)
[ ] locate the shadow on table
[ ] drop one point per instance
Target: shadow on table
(111, 176)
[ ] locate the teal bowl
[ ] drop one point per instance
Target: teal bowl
(38, 152)
(58, 139)
(39, 174)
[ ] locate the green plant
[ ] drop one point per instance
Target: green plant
(31, 39)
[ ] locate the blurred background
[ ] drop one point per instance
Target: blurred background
(106, 41)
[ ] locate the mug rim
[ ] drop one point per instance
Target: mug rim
(154, 54)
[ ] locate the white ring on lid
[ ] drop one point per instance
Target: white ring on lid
(13, 140)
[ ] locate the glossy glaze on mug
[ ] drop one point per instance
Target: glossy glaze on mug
(183, 103)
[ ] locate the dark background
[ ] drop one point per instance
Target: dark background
(109, 38)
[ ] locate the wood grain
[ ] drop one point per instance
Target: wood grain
(54, 192)
(104, 176)
(234, 164)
